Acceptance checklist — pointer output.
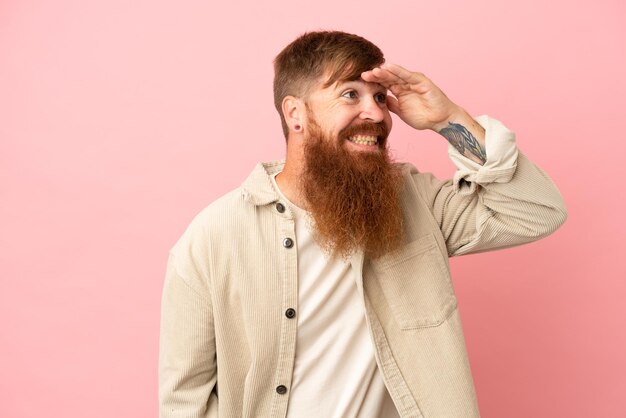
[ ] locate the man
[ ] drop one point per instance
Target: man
(321, 287)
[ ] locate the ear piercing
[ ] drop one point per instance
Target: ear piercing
(297, 128)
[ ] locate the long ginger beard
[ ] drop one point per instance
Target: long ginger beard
(353, 196)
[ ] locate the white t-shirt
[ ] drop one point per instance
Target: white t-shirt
(335, 373)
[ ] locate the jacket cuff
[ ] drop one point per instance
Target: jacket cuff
(501, 163)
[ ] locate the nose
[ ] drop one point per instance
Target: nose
(372, 110)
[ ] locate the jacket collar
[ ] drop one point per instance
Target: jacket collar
(258, 188)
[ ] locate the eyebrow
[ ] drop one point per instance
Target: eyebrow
(341, 84)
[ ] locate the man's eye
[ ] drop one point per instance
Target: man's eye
(350, 94)
(381, 98)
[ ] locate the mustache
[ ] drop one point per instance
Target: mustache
(377, 129)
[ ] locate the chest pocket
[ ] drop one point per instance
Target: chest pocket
(416, 283)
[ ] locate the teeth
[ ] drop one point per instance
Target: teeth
(364, 139)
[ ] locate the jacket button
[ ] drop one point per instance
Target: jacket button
(287, 243)
(280, 207)
(281, 389)
(290, 313)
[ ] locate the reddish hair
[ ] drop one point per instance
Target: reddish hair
(338, 55)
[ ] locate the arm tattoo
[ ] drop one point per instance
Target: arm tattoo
(462, 139)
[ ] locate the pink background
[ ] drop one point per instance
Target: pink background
(120, 120)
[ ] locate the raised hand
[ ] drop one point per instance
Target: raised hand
(422, 105)
(418, 101)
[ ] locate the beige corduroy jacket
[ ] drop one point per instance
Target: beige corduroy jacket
(228, 343)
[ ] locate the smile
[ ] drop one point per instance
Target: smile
(364, 139)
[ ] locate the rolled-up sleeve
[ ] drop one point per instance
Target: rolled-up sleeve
(501, 162)
(507, 201)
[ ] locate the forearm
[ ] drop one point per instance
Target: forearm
(465, 134)
(498, 214)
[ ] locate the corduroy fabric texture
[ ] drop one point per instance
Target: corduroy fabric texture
(227, 347)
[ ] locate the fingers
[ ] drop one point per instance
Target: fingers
(393, 74)
(387, 80)
(403, 74)
(381, 76)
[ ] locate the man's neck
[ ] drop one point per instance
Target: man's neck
(287, 181)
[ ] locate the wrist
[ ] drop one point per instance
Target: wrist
(457, 115)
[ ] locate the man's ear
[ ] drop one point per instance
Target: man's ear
(294, 113)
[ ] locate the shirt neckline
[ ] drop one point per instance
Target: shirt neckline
(297, 210)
